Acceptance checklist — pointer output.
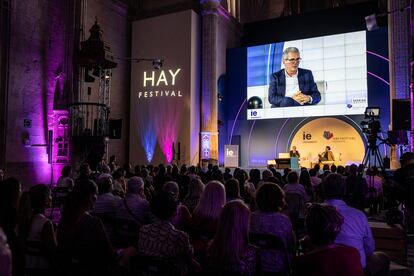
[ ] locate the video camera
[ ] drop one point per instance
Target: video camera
(372, 126)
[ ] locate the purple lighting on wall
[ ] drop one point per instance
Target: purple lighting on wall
(167, 124)
(378, 55)
(149, 139)
(235, 120)
(378, 77)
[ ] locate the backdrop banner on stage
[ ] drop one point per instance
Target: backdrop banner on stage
(231, 156)
(345, 141)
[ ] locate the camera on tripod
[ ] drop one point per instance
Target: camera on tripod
(372, 126)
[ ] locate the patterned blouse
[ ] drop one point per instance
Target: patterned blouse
(161, 239)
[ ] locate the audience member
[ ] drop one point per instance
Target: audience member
(119, 182)
(293, 186)
(83, 246)
(106, 203)
(230, 251)
(356, 188)
(5, 256)
(182, 218)
(232, 189)
(227, 175)
(112, 163)
(405, 179)
(65, 180)
(323, 223)
(268, 219)
(134, 206)
(35, 232)
(306, 182)
(10, 190)
(195, 189)
(161, 239)
(355, 231)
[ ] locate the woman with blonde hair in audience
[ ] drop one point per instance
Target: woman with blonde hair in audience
(205, 218)
(35, 232)
(195, 189)
(230, 251)
(207, 212)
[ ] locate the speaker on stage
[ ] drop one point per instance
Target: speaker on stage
(401, 115)
(115, 128)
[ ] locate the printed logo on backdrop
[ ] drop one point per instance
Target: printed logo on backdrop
(205, 145)
(307, 138)
(312, 137)
(157, 84)
(327, 134)
(231, 155)
(257, 114)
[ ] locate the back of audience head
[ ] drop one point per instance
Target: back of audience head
(254, 176)
(212, 200)
(340, 170)
(334, 186)
(183, 169)
(286, 171)
(164, 206)
(81, 198)
(323, 224)
(317, 168)
(136, 185)
(231, 239)
(66, 171)
(171, 187)
(325, 167)
(217, 175)
(353, 169)
(292, 177)
(232, 188)
(407, 158)
(270, 198)
(195, 188)
(137, 170)
(33, 201)
(10, 189)
(372, 171)
(333, 168)
(312, 173)
(105, 185)
(266, 174)
(85, 169)
(305, 179)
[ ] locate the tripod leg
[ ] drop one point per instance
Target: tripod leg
(365, 161)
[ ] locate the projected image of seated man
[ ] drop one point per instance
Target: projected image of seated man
(292, 86)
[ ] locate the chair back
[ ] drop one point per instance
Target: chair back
(295, 204)
(127, 231)
(271, 242)
(154, 266)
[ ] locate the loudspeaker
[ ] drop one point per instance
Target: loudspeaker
(115, 128)
(401, 115)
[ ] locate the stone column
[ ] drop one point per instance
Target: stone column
(209, 130)
(400, 48)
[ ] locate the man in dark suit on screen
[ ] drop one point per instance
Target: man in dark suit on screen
(292, 86)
